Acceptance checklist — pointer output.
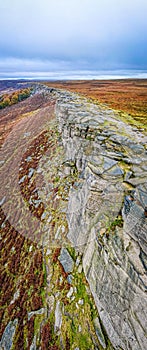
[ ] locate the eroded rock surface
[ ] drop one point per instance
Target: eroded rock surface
(79, 184)
(107, 214)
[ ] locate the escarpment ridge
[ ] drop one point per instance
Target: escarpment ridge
(107, 214)
(83, 177)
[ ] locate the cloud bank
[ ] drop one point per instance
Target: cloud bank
(69, 36)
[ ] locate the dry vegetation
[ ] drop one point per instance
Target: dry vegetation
(23, 275)
(22, 271)
(126, 95)
(10, 115)
(9, 99)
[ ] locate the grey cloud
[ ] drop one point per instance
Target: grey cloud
(63, 34)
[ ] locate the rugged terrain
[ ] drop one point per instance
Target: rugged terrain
(74, 224)
(128, 95)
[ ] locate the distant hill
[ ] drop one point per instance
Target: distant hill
(8, 84)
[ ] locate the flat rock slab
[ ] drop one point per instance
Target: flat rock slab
(7, 338)
(66, 260)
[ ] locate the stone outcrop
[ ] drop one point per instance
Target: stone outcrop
(107, 213)
(86, 185)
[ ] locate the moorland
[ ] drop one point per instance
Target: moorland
(128, 95)
(32, 277)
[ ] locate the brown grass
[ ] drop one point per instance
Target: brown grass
(128, 95)
(21, 269)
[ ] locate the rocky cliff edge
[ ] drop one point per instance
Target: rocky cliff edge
(107, 213)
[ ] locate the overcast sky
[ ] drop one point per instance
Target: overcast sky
(57, 38)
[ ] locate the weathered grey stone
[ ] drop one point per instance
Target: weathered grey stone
(37, 312)
(77, 224)
(135, 220)
(137, 149)
(8, 335)
(16, 296)
(99, 332)
(128, 175)
(80, 268)
(116, 171)
(66, 260)
(58, 317)
(109, 163)
(101, 138)
(69, 279)
(114, 284)
(122, 140)
(31, 172)
(137, 180)
(109, 160)
(78, 260)
(51, 302)
(70, 292)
